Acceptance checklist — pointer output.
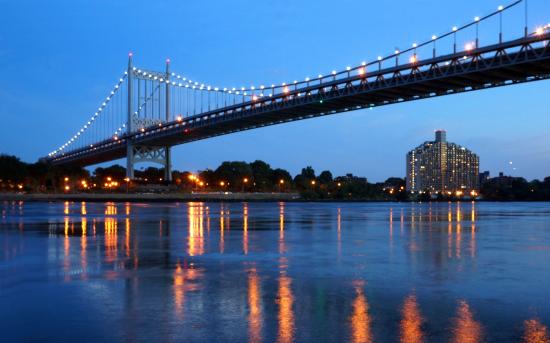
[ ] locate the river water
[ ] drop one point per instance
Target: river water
(274, 272)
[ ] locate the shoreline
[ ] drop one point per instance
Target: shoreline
(203, 197)
(149, 197)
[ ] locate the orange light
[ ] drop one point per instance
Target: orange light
(245, 180)
(201, 183)
(67, 188)
(281, 181)
(339, 184)
(109, 179)
(179, 118)
(313, 182)
(222, 183)
(361, 71)
(539, 31)
(20, 186)
(285, 90)
(127, 179)
(413, 59)
(66, 179)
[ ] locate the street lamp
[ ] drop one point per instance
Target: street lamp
(245, 181)
(127, 179)
(281, 183)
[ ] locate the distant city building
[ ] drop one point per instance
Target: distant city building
(483, 177)
(442, 167)
(351, 178)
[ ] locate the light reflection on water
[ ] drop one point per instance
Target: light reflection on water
(285, 272)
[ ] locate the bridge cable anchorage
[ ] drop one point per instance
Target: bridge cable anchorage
(160, 101)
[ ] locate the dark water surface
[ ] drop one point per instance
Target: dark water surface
(274, 272)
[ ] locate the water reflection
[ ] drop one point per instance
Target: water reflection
(245, 228)
(179, 290)
(282, 246)
(360, 317)
(255, 318)
(285, 300)
(465, 328)
(111, 239)
(535, 332)
(411, 322)
(84, 247)
(196, 229)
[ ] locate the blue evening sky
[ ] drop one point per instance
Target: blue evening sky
(58, 59)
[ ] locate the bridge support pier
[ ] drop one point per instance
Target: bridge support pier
(152, 154)
(167, 164)
(130, 161)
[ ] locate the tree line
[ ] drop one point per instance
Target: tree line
(238, 176)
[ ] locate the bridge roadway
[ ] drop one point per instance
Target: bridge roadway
(523, 60)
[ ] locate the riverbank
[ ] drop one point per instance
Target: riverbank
(160, 197)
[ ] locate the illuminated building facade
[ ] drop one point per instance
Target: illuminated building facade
(440, 167)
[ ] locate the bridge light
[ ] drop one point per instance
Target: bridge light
(500, 8)
(320, 76)
(397, 52)
(455, 28)
(415, 45)
(348, 68)
(334, 72)
(179, 118)
(469, 46)
(361, 71)
(307, 79)
(434, 37)
(539, 31)
(380, 58)
(476, 19)
(413, 59)
(285, 90)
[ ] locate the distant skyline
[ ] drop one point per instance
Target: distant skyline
(58, 61)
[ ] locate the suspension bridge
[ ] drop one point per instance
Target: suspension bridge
(147, 112)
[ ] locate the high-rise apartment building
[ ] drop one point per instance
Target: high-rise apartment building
(440, 167)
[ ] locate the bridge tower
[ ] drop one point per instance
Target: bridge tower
(144, 153)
